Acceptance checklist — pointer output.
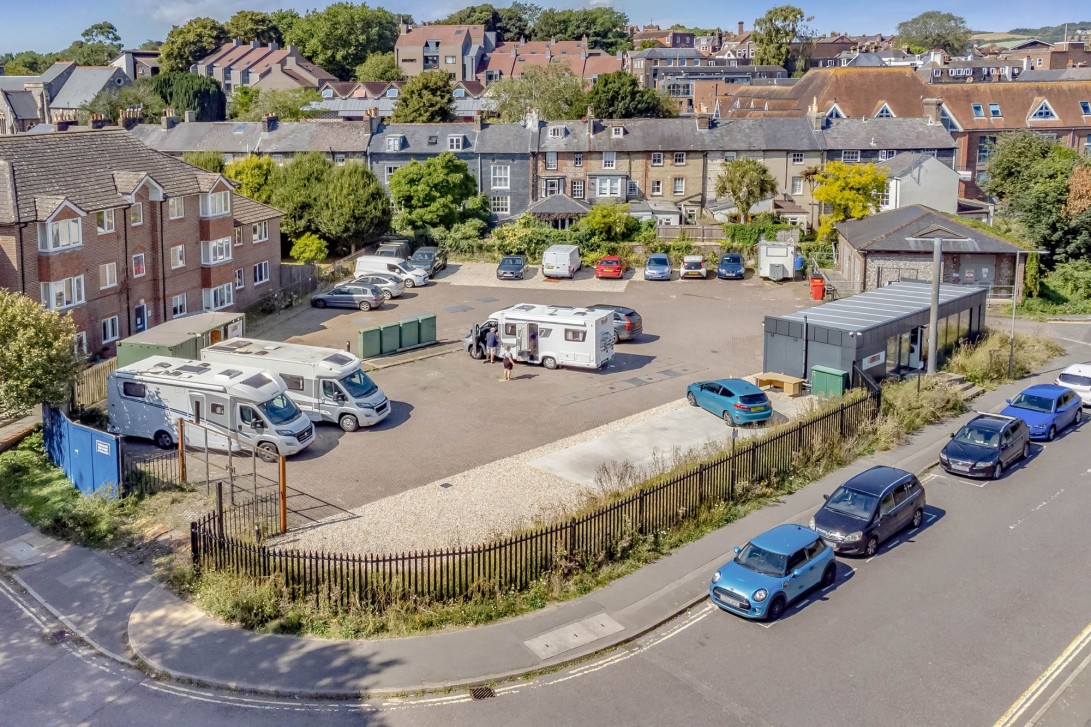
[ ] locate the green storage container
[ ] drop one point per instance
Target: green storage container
(370, 343)
(390, 337)
(427, 328)
(826, 381)
(410, 332)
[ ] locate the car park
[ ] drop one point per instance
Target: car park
(512, 267)
(1078, 378)
(869, 509)
(611, 266)
(986, 446)
(736, 401)
(561, 261)
(349, 295)
(627, 322)
(390, 285)
(366, 264)
(658, 267)
(731, 266)
(693, 266)
(430, 259)
(773, 570)
(1047, 409)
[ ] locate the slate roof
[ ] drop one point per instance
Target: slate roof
(338, 107)
(559, 204)
(904, 163)
(653, 53)
(22, 103)
(863, 60)
(891, 232)
(909, 133)
(1061, 74)
(84, 83)
(241, 137)
(425, 138)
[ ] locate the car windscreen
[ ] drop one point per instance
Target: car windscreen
(731, 260)
(852, 503)
(1075, 380)
(422, 256)
(404, 268)
(511, 262)
(1033, 403)
(979, 436)
(279, 410)
(358, 384)
(762, 561)
(752, 399)
(659, 260)
(692, 265)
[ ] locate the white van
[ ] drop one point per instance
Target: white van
(326, 383)
(246, 405)
(367, 264)
(550, 335)
(561, 261)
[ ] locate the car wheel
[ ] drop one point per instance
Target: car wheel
(727, 418)
(1079, 417)
(268, 452)
(616, 337)
(1026, 450)
(164, 440)
(691, 398)
(349, 423)
(318, 303)
(364, 305)
(387, 295)
(444, 266)
(477, 353)
(409, 282)
(918, 518)
(998, 470)
(829, 576)
(871, 547)
(776, 609)
(1051, 433)
(549, 362)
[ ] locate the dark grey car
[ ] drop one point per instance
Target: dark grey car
(873, 506)
(627, 322)
(349, 295)
(429, 259)
(986, 446)
(512, 267)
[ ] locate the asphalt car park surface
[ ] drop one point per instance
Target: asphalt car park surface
(451, 413)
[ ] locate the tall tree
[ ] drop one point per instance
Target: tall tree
(284, 21)
(553, 90)
(746, 182)
(253, 25)
(253, 175)
(110, 102)
(188, 92)
(186, 44)
(104, 32)
(425, 99)
(38, 361)
(510, 23)
(286, 105)
(602, 26)
(379, 67)
(340, 37)
(934, 29)
(434, 193)
(151, 44)
(28, 63)
(618, 95)
(853, 191)
(354, 208)
(297, 192)
(210, 161)
(775, 32)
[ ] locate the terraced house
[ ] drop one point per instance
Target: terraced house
(121, 237)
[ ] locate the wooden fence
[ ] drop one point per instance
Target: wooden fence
(89, 387)
(516, 562)
(693, 233)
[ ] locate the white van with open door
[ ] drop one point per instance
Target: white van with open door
(550, 335)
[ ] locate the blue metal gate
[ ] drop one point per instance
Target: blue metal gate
(90, 458)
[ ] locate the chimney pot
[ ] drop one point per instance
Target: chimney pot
(269, 123)
(741, 26)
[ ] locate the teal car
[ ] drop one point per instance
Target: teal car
(736, 401)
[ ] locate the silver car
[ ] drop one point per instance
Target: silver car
(392, 286)
(350, 295)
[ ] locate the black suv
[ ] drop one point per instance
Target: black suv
(429, 259)
(986, 446)
(868, 509)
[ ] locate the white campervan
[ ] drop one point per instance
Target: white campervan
(367, 264)
(550, 335)
(326, 383)
(561, 261)
(246, 405)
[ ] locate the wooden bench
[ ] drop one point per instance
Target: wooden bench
(792, 385)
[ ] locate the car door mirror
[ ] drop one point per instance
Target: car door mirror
(825, 497)
(1008, 400)
(737, 550)
(257, 425)
(952, 435)
(796, 573)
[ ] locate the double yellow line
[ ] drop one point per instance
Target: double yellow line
(1043, 682)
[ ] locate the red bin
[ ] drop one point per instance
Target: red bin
(818, 288)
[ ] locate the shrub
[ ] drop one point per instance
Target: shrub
(309, 248)
(986, 362)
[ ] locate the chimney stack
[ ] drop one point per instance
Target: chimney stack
(129, 118)
(269, 122)
(97, 121)
(190, 116)
(479, 121)
(590, 121)
(741, 26)
(704, 121)
(169, 120)
(931, 109)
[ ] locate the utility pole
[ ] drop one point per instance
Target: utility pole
(933, 312)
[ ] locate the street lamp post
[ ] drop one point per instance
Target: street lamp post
(1014, 290)
(933, 311)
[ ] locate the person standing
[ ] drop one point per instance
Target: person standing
(492, 345)
(509, 363)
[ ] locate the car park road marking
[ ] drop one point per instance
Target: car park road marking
(1036, 508)
(1035, 690)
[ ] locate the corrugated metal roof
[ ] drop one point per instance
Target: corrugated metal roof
(879, 307)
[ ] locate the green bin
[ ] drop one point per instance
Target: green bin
(390, 337)
(410, 332)
(427, 328)
(370, 343)
(826, 381)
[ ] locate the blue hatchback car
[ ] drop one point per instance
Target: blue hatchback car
(736, 401)
(731, 266)
(771, 571)
(658, 267)
(1047, 409)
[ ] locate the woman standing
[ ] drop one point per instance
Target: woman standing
(509, 363)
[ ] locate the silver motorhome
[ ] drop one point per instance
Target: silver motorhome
(550, 335)
(326, 383)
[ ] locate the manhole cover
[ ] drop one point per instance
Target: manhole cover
(482, 692)
(58, 637)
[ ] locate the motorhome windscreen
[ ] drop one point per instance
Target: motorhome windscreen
(279, 410)
(358, 384)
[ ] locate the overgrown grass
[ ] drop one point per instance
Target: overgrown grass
(986, 363)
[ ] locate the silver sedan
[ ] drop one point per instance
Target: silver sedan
(392, 286)
(349, 295)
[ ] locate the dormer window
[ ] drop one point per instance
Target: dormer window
(215, 204)
(394, 143)
(391, 93)
(454, 142)
(617, 132)
(459, 93)
(433, 140)
(885, 113)
(1044, 112)
(834, 113)
(556, 132)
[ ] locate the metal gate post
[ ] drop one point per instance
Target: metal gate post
(220, 508)
(282, 471)
(182, 450)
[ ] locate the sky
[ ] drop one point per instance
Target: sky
(49, 25)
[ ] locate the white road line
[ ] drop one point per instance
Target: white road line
(1045, 679)
(1035, 509)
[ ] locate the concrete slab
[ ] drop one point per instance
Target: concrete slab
(572, 636)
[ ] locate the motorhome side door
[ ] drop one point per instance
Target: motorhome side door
(248, 424)
(197, 407)
(333, 398)
(526, 335)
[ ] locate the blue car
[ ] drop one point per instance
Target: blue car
(771, 571)
(1047, 409)
(658, 267)
(731, 266)
(734, 400)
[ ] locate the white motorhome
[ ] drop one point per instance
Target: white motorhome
(247, 406)
(326, 383)
(367, 264)
(550, 335)
(561, 261)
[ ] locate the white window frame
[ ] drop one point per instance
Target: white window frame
(798, 158)
(797, 185)
(387, 171)
(111, 329)
(261, 273)
(454, 142)
(214, 252)
(394, 143)
(633, 188)
(551, 160)
(609, 160)
(225, 292)
(60, 235)
(259, 231)
(679, 158)
(556, 132)
(176, 208)
(62, 294)
(136, 214)
(177, 257)
(110, 269)
(501, 205)
(104, 222)
(178, 305)
(616, 132)
(657, 188)
(850, 156)
(139, 259)
(678, 185)
(577, 159)
(886, 155)
(577, 189)
(978, 110)
(551, 187)
(607, 187)
(657, 158)
(500, 176)
(240, 278)
(215, 204)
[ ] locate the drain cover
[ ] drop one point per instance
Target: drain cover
(482, 692)
(59, 636)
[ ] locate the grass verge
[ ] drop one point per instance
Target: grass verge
(986, 362)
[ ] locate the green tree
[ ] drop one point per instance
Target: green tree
(254, 175)
(618, 95)
(602, 26)
(186, 44)
(852, 191)
(242, 101)
(934, 29)
(775, 32)
(510, 23)
(553, 90)
(151, 44)
(609, 223)
(746, 182)
(110, 102)
(353, 208)
(29, 63)
(297, 192)
(38, 361)
(425, 99)
(251, 25)
(89, 54)
(210, 161)
(188, 92)
(309, 249)
(104, 32)
(340, 37)
(379, 67)
(649, 43)
(284, 21)
(286, 105)
(432, 193)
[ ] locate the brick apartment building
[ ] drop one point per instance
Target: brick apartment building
(122, 237)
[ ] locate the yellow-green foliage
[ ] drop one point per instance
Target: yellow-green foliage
(986, 363)
(851, 190)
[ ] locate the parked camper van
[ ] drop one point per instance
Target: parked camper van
(366, 264)
(326, 383)
(250, 405)
(550, 335)
(561, 261)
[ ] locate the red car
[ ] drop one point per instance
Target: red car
(611, 266)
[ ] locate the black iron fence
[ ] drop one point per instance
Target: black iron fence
(518, 561)
(145, 474)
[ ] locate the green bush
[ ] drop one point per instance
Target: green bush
(676, 249)
(762, 226)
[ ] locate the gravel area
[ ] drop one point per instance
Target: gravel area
(484, 275)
